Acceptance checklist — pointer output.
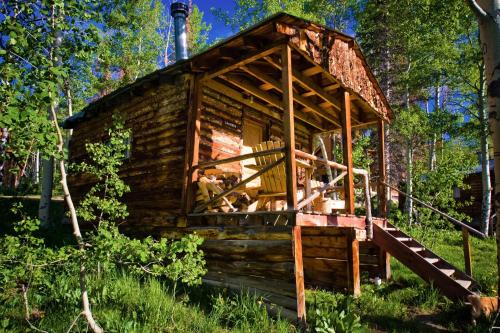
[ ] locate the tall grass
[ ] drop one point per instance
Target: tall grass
(123, 303)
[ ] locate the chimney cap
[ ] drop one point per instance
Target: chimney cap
(179, 8)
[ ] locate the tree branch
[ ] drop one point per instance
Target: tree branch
(480, 12)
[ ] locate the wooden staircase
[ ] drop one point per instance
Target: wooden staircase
(452, 282)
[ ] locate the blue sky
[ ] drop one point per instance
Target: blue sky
(219, 30)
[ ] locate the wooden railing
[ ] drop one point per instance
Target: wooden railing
(310, 196)
(344, 169)
(466, 229)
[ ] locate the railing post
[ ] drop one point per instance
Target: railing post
(289, 130)
(347, 150)
(467, 252)
(382, 191)
(193, 133)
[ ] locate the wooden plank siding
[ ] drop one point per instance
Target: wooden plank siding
(256, 258)
(158, 121)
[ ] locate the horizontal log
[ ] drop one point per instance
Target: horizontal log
(277, 270)
(249, 247)
(339, 242)
(278, 287)
(288, 303)
(312, 251)
(325, 265)
(235, 233)
(326, 231)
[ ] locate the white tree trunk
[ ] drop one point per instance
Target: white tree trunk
(488, 13)
(409, 183)
(485, 163)
(86, 311)
(46, 195)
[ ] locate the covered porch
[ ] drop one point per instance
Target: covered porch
(285, 168)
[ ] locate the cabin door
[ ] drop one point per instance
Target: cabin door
(253, 134)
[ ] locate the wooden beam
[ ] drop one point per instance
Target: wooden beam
(299, 274)
(289, 128)
(317, 193)
(267, 97)
(312, 71)
(347, 151)
(237, 186)
(307, 83)
(353, 275)
(467, 252)
(330, 117)
(239, 158)
(237, 96)
(242, 61)
(191, 156)
(381, 190)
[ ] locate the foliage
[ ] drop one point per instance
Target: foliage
(437, 186)
(101, 203)
(198, 31)
(335, 315)
(24, 257)
(177, 260)
(333, 13)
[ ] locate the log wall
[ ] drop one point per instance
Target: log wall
(222, 129)
(157, 120)
(256, 258)
(325, 255)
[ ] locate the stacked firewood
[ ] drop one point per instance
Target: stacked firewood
(211, 183)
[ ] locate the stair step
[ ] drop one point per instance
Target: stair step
(464, 283)
(391, 229)
(403, 239)
(448, 272)
(432, 260)
(417, 248)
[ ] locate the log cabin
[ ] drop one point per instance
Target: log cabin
(223, 145)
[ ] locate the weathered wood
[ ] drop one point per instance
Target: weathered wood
(354, 279)
(308, 104)
(299, 274)
(192, 145)
(382, 192)
(309, 84)
(232, 232)
(242, 61)
(237, 186)
(277, 270)
(467, 252)
(269, 98)
(319, 192)
(289, 130)
(347, 152)
(239, 158)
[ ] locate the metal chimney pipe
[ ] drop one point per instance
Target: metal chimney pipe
(179, 12)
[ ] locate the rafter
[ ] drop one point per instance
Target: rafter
(242, 61)
(297, 98)
(268, 98)
(307, 83)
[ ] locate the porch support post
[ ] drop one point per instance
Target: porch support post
(289, 130)
(347, 151)
(299, 274)
(382, 197)
(353, 275)
(193, 133)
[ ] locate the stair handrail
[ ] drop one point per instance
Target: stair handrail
(450, 218)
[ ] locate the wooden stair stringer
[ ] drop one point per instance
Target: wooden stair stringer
(450, 286)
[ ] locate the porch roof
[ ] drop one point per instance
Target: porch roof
(246, 66)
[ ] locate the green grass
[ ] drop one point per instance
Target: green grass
(407, 303)
(123, 303)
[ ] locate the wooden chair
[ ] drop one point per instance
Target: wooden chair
(273, 182)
